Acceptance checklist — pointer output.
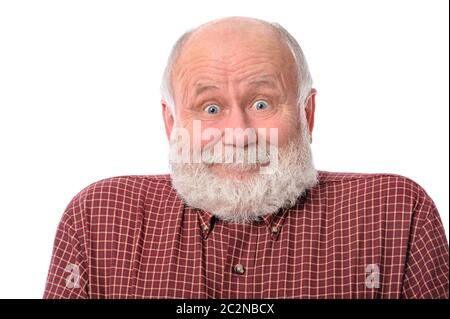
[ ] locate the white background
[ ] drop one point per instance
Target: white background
(79, 100)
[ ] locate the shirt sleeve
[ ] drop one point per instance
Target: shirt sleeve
(67, 276)
(426, 271)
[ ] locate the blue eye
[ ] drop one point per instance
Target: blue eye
(212, 109)
(261, 105)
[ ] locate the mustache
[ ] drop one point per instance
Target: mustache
(251, 155)
(229, 146)
(248, 157)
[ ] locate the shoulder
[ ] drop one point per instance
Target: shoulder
(392, 189)
(128, 185)
(122, 194)
(395, 182)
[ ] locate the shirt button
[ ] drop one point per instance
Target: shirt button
(205, 228)
(275, 230)
(239, 269)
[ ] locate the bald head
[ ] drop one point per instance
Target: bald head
(234, 33)
(225, 38)
(233, 40)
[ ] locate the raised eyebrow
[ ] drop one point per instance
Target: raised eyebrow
(263, 81)
(200, 88)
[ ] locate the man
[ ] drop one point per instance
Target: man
(244, 213)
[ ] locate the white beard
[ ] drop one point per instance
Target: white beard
(246, 200)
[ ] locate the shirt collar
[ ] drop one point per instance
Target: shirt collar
(273, 222)
(206, 222)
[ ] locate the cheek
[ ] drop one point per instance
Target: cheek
(285, 127)
(201, 133)
(279, 131)
(209, 133)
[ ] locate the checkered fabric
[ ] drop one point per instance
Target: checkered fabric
(350, 236)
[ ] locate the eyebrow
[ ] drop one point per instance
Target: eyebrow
(200, 88)
(266, 80)
(258, 83)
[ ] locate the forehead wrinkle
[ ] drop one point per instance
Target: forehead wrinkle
(250, 78)
(200, 69)
(222, 63)
(257, 75)
(185, 80)
(256, 59)
(283, 73)
(225, 41)
(187, 61)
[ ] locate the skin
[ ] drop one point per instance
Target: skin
(243, 68)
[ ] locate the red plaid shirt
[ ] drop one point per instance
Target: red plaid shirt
(351, 236)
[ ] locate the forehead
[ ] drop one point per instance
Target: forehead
(233, 51)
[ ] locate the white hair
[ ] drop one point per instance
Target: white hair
(246, 200)
(303, 74)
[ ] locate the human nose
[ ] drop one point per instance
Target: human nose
(238, 131)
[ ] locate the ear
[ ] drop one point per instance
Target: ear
(310, 108)
(168, 118)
